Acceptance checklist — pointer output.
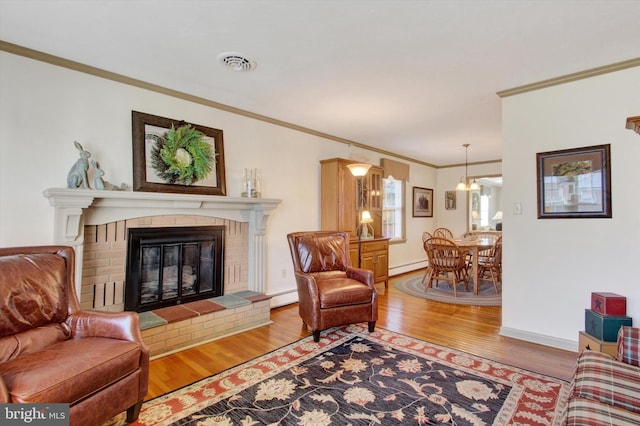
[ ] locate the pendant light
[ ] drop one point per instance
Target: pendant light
(464, 185)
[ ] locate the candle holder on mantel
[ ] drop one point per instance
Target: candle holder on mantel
(251, 184)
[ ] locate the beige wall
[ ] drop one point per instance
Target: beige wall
(552, 265)
(45, 108)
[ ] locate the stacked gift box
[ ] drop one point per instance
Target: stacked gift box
(607, 314)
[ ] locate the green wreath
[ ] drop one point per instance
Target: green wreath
(182, 156)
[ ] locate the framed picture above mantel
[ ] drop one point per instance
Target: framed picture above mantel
(174, 156)
(575, 183)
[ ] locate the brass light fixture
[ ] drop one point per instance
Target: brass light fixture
(464, 185)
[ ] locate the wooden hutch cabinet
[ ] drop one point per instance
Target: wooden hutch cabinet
(339, 212)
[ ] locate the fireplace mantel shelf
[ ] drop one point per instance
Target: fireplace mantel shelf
(60, 196)
(104, 206)
(75, 208)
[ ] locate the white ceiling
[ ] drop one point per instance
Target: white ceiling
(416, 78)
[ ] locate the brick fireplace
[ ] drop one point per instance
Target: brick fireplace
(105, 256)
(95, 223)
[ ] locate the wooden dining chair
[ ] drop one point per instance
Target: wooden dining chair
(490, 236)
(491, 265)
(443, 233)
(447, 262)
(425, 236)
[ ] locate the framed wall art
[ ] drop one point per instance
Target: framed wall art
(175, 156)
(450, 200)
(422, 202)
(575, 183)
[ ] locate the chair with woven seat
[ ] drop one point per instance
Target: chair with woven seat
(447, 262)
(443, 233)
(491, 265)
(331, 293)
(489, 236)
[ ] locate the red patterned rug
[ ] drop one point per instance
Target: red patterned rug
(360, 378)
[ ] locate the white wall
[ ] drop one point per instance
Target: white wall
(45, 108)
(551, 266)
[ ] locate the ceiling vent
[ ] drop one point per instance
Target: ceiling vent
(236, 61)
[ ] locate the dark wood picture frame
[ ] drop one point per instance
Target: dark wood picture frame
(422, 202)
(450, 200)
(143, 180)
(574, 183)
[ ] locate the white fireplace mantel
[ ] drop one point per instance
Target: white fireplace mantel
(75, 208)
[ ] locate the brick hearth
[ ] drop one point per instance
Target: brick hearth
(176, 328)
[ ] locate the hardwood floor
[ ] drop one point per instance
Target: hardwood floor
(472, 329)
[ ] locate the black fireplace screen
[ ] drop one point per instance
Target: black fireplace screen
(170, 266)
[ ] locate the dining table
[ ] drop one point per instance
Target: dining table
(474, 246)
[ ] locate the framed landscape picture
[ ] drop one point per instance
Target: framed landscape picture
(575, 183)
(422, 202)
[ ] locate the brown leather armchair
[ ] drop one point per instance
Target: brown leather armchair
(330, 292)
(53, 352)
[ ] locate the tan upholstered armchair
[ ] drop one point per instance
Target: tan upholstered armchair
(330, 292)
(53, 352)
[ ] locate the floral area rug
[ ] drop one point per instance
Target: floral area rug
(352, 377)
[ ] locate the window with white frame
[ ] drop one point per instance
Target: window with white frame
(393, 208)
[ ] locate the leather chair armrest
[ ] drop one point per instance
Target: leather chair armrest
(307, 288)
(114, 325)
(308, 300)
(365, 276)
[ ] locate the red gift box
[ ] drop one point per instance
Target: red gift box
(608, 303)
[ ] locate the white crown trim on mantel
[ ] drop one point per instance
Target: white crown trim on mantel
(75, 208)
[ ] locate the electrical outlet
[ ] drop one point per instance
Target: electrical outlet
(284, 273)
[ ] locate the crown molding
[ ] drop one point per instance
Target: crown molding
(98, 72)
(618, 66)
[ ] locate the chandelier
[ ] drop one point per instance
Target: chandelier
(464, 184)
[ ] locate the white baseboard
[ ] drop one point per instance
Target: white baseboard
(541, 339)
(284, 298)
(403, 269)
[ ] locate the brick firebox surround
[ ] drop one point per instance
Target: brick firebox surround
(94, 222)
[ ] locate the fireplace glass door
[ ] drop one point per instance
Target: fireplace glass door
(169, 266)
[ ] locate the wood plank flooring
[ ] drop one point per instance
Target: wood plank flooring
(472, 329)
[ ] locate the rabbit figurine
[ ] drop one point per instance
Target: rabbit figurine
(99, 183)
(77, 176)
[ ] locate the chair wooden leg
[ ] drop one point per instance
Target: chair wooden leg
(494, 278)
(372, 326)
(429, 275)
(133, 412)
(316, 335)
